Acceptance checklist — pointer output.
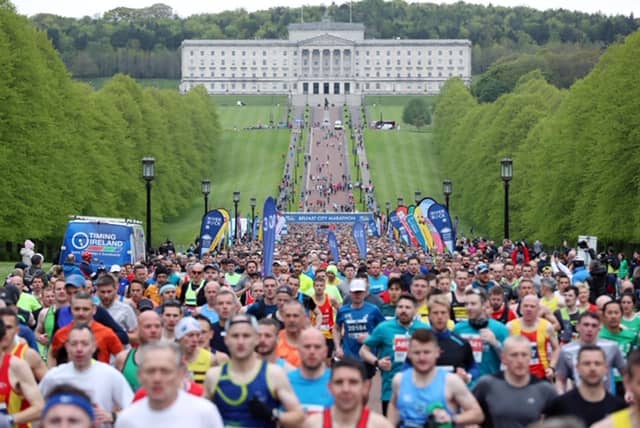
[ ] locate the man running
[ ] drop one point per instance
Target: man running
(629, 417)
(590, 401)
(514, 398)
(240, 389)
(268, 330)
(310, 381)
(426, 392)
(387, 345)
(128, 361)
(166, 403)
(197, 359)
(349, 387)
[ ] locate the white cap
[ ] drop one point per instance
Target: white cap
(185, 326)
(115, 268)
(358, 285)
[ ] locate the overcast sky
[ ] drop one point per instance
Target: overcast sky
(79, 8)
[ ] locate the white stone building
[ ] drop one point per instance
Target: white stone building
(320, 60)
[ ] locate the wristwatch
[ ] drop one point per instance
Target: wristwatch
(275, 415)
(375, 363)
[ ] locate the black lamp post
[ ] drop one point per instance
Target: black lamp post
(417, 195)
(236, 199)
(252, 202)
(206, 189)
(447, 188)
(148, 173)
(400, 201)
(388, 207)
(506, 171)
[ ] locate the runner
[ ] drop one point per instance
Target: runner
(166, 404)
(328, 308)
(67, 406)
(357, 319)
(349, 387)
(387, 346)
(227, 306)
(541, 335)
(268, 330)
(483, 333)
(629, 417)
(128, 361)
(311, 380)
(10, 343)
(240, 389)
(513, 398)
(123, 314)
(171, 312)
(426, 394)
(209, 308)
(83, 309)
(588, 328)
(19, 394)
(289, 337)
(106, 386)
(197, 359)
(590, 401)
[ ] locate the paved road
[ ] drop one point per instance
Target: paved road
(327, 178)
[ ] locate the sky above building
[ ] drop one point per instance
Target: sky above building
(80, 8)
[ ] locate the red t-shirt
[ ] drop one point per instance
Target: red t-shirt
(107, 343)
(192, 388)
(497, 315)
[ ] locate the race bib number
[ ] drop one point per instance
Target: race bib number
(535, 356)
(477, 346)
(400, 348)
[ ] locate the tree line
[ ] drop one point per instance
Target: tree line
(145, 42)
(575, 169)
(69, 149)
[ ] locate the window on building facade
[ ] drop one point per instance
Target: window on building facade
(233, 53)
(191, 53)
(222, 52)
(212, 85)
(264, 53)
(201, 53)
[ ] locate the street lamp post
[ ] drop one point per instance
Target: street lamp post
(148, 173)
(506, 171)
(206, 189)
(417, 195)
(388, 207)
(447, 188)
(236, 200)
(400, 201)
(252, 201)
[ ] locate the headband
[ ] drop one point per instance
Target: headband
(71, 399)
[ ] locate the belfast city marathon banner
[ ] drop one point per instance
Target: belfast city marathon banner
(368, 219)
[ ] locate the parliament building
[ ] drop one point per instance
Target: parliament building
(324, 60)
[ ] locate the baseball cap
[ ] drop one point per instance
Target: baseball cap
(358, 285)
(145, 305)
(75, 280)
(115, 268)
(8, 296)
(482, 268)
(185, 326)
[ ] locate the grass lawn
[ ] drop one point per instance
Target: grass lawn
(250, 162)
(402, 162)
(240, 117)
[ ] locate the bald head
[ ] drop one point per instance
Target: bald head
(312, 349)
(149, 327)
(311, 334)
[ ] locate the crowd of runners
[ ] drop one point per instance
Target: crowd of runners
(491, 335)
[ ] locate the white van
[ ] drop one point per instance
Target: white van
(337, 124)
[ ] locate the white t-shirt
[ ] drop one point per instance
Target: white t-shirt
(104, 384)
(187, 411)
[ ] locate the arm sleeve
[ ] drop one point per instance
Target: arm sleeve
(104, 318)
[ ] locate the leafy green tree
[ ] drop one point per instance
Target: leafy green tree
(417, 113)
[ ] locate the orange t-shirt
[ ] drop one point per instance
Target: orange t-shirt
(107, 342)
(286, 351)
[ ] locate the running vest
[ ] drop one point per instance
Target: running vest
(328, 317)
(210, 314)
(231, 398)
(414, 402)
(130, 370)
(552, 303)
(458, 309)
(191, 295)
(539, 342)
(568, 324)
(362, 423)
(10, 401)
(621, 418)
(200, 365)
